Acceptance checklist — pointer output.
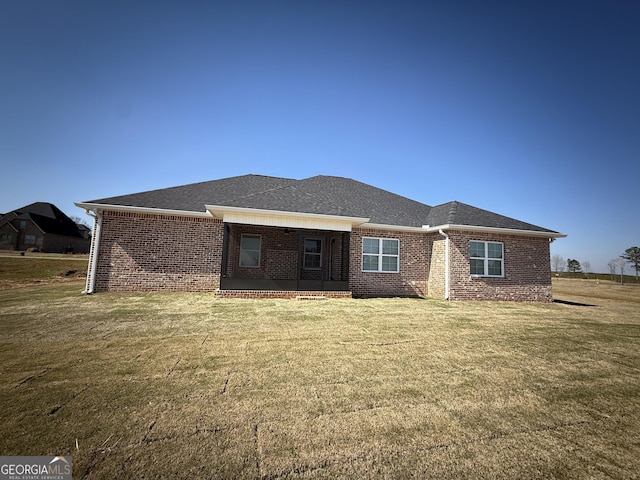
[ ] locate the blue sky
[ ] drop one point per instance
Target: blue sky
(528, 109)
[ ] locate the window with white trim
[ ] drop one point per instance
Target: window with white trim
(250, 250)
(380, 255)
(486, 259)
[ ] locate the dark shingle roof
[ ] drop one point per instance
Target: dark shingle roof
(193, 197)
(321, 194)
(458, 213)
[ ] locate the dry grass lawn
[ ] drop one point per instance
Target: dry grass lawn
(184, 385)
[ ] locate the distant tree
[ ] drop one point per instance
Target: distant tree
(621, 264)
(632, 255)
(80, 221)
(613, 265)
(557, 263)
(573, 266)
(586, 268)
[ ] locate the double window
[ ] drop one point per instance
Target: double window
(380, 255)
(486, 259)
(250, 251)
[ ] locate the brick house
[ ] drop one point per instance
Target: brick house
(258, 236)
(43, 227)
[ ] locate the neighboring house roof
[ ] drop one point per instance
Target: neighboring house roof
(83, 229)
(47, 217)
(324, 195)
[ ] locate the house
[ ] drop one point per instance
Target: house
(259, 236)
(43, 227)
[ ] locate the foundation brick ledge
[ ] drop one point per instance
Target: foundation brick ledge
(282, 294)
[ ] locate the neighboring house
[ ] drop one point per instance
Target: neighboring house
(43, 227)
(258, 236)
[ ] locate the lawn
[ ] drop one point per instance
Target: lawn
(186, 385)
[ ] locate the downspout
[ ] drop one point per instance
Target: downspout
(446, 264)
(95, 250)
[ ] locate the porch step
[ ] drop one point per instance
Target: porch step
(284, 294)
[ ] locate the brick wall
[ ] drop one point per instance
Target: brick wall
(527, 270)
(278, 256)
(147, 252)
(436, 286)
(414, 266)
(18, 237)
(279, 259)
(11, 239)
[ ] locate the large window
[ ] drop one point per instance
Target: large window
(312, 253)
(250, 251)
(5, 238)
(380, 255)
(29, 239)
(486, 259)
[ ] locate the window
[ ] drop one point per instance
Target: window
(23, 224)
(486, 259)
(380, 255)
(5, 238)
(312, 253)
(250, 251)
(29, 239)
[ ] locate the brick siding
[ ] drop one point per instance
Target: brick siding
(436, 283)
(411, 280)
(278, 255)
(147, 252)
(527, 269)
(279, 258)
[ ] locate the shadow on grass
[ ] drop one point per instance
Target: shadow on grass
(575, 304)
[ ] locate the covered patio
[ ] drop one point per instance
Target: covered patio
(284, 254)
(256, 258)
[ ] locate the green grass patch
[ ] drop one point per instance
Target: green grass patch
(37, 268)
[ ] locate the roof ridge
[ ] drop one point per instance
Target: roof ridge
(262, 192)
(453, 211)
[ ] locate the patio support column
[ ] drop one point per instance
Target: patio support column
(225, 247)
(346, 257)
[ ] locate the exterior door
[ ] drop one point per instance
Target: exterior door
(312, 262)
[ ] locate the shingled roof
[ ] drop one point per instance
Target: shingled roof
(48, 218)
(321, 194)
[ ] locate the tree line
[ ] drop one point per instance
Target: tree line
(630, 256)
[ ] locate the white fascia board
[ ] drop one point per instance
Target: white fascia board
(94, 207)
(279, 218)
(381, 226)
(503, 231)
